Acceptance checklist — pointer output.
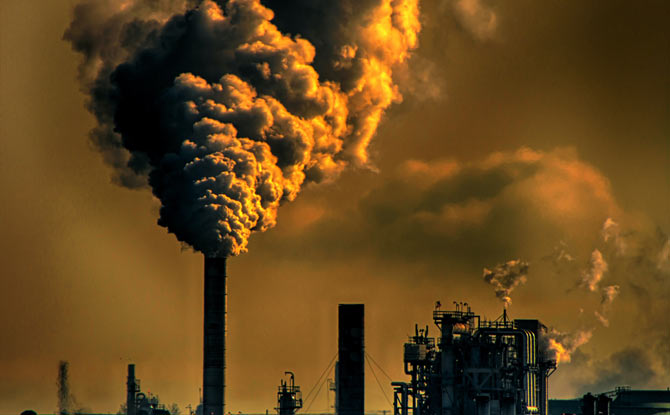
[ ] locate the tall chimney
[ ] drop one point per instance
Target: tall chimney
(214, 340)
(350, 375)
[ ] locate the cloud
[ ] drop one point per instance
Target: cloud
(611, 232)
(476, 17)
(475, 211)
(630, 366)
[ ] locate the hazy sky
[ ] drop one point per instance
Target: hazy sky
(524, 126)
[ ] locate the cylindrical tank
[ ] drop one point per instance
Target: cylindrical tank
(214, 337)
(589, 404)
(603, 405)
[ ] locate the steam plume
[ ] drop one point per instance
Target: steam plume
(224, 115)
(597, 267)
(609, 293)
(612, 231)
(505, 277)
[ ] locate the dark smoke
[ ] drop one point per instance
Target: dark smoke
(64, 396)
(630, 367)
(223, 114)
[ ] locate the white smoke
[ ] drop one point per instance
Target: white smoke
(597, 268)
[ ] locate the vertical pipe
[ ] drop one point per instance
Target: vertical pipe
(448, 369)
(544, 392)
(508, 406)
(131, 389)
(214, 337)
(483, 404)
(351, 353)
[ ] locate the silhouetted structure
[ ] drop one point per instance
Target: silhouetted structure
(132, 388)
(350, 371)
(289, 397)
(214, 337)
(139, 403)
(621, 401)
(476, 367)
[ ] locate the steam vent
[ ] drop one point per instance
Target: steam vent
(214, 341)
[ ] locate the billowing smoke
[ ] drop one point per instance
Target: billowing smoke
(223, 114)
(505, 277)
(559, 346)
(597, 268)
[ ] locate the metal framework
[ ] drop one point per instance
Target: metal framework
(474, 367)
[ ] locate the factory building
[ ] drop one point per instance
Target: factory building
(474, 367)
(139, 403)
(621, 401)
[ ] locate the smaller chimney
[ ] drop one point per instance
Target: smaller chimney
(132, 388)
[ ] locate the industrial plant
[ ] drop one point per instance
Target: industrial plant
(473, 366)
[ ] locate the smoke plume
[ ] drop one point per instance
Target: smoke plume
(505, 277)
(223, 114)
(559, 346)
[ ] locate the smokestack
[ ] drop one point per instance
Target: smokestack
(350, 370)
(214, 339)
(131, 389)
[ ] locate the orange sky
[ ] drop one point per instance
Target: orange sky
(523, 127)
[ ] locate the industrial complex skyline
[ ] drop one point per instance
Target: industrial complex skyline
(517, 158)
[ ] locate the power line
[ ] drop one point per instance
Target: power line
(377, 379)
(377, 364)
(318, 382)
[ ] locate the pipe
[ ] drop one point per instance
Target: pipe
(214, 337)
